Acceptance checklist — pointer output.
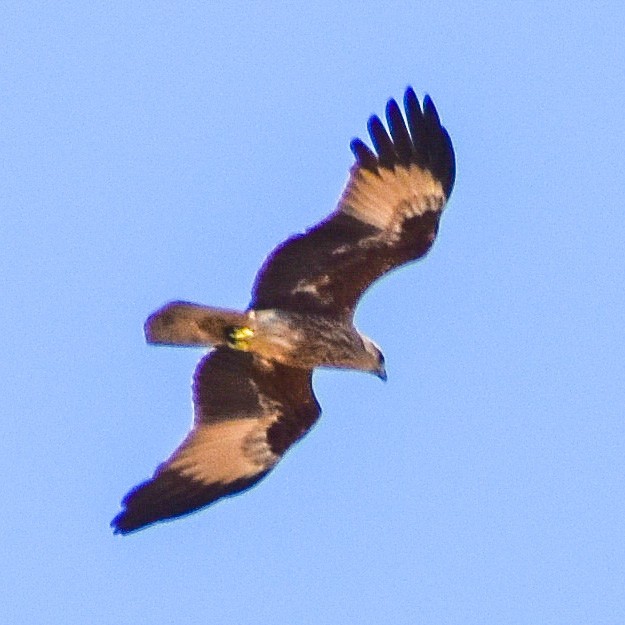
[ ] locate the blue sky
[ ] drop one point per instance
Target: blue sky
(157, 151)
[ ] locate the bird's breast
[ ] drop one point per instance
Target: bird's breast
(303, 340)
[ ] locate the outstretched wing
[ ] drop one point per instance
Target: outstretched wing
(248, 412)
(388, 215)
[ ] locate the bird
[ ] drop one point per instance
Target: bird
(252, 392)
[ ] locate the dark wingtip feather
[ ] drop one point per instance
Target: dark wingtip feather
(382, 142)
(420, 139)
(429, 111)
(412, 106)
(364, 156)
(170, 495)
(442, 159)
(399, 132)
(120, 525)
(448, 170)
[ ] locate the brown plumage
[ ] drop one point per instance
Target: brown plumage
(252, 394)
(246, 414)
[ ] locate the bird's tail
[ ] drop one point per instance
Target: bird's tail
(187, 324)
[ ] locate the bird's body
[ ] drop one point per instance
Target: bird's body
(306, 340)
(309, 340)
(252, 394)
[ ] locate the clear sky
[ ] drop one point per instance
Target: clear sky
(158, 151)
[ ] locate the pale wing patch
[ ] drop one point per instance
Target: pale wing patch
(387, 197)
(225, 452)
(312, 285)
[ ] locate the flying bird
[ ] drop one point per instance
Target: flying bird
(252, 393)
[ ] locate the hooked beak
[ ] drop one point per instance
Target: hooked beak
(381, 373)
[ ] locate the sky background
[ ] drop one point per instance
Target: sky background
(158, 151)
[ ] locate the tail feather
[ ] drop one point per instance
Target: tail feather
(184, 323)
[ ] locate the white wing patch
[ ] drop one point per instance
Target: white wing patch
(386, 198)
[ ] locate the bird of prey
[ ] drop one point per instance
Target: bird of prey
(252, 392)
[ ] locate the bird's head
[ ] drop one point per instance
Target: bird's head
(375, 359)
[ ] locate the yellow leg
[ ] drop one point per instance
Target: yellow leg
(240, 338)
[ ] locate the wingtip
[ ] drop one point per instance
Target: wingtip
(124, 524)
(429, 110)
(392, 107)
(119, 526)
(365, 158)
(117, 530)
(424, 141)
(411, 103)
(387, 155)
